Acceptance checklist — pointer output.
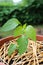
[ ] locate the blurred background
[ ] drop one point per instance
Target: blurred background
(26, 11)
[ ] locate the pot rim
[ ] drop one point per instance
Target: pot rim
(3, 40)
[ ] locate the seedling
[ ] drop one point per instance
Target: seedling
(24, 32)
(22, 42)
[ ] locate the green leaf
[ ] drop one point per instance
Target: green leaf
(5, 34)
(11, 49)
(22, 44)
(10, 24)
(24, 26)
(30, 32)
(18, 31)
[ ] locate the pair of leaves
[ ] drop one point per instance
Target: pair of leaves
(10, 25)
(22, 46)
(29, 32)
(19, 30)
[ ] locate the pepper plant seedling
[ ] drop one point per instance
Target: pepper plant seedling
(22, 42)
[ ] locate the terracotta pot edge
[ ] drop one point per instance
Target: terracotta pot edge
(3, 40)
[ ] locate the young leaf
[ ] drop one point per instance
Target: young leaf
(11, 49)
(10, 25)
(23, 28)
(30, 32)
(22, 44)
(18, 31)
